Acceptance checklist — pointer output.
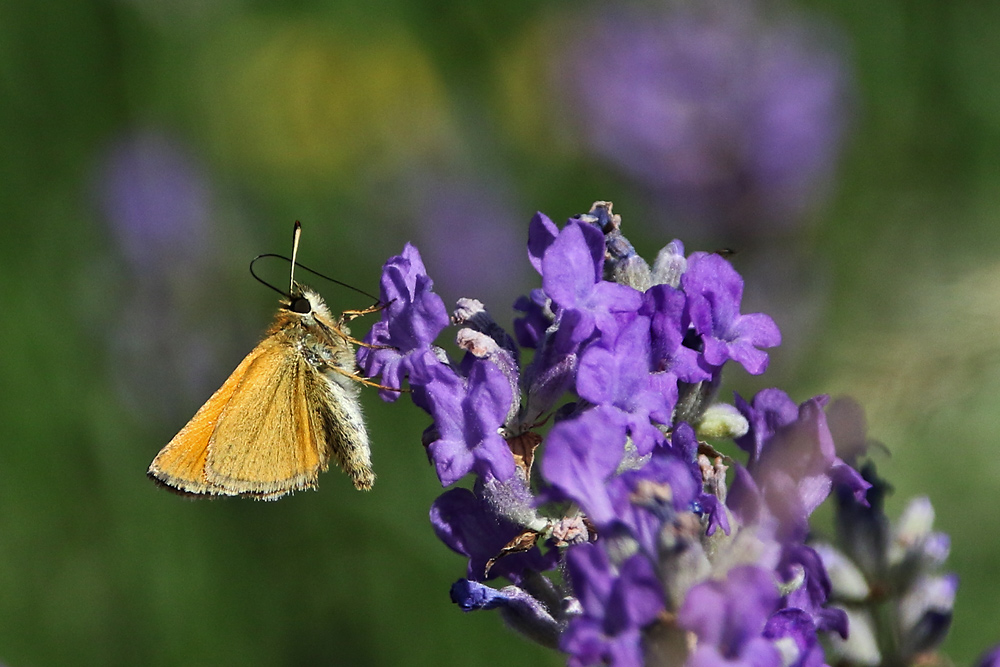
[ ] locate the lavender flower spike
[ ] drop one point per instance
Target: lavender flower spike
(611, 542)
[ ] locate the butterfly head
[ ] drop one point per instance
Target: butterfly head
(306, 303)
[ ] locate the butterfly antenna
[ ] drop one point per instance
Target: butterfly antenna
(296, 235)
(264, 282)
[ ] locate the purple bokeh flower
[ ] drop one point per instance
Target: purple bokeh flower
(156, 196)
(448, 209)
(161, 210)
(730, 119)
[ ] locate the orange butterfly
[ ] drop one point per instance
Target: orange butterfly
(274, 424)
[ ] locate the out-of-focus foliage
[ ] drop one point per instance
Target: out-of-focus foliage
(149, 149)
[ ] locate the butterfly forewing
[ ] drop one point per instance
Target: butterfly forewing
(181, 464)
(266, 444)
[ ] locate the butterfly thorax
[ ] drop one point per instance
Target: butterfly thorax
(320, 337)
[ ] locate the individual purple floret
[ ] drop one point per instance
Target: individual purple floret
(468, 413)
(572, 268)
(794, 632)
(582, 455)
(665, 306)
(518, 608)
(465, 521)
(412, 318)
(714, 292)
(616, 601)
(793, 463)
(619, 374)
(729, 617)
(628, 543)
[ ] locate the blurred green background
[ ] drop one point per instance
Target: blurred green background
(150, 148)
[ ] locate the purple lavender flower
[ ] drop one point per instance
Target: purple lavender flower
(629, 497)
(542, 232)
(572, 270)
(729, 618)
(617, 602)
(520, 609)
(665, 305)
(793, 463)
(530, 329)
(770, 410)
(412, 318)
(714, 292)
(581, 456)
(619, 374)
(793, 631)
(655, 496)
(812, 595)
(468, 524)
(468, 414)
(583, 305)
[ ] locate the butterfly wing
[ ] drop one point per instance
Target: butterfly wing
(180, 465)
(268, 441)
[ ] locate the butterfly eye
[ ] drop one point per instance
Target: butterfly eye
(300, 305)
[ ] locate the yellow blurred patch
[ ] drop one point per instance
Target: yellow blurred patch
(526, 100)
(311, 103)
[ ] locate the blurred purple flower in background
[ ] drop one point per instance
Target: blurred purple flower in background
(446, 209)
(625, 545)
(731, 119)
(157, 200)
(155, 196)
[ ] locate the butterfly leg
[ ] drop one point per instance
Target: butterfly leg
(366, 381)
